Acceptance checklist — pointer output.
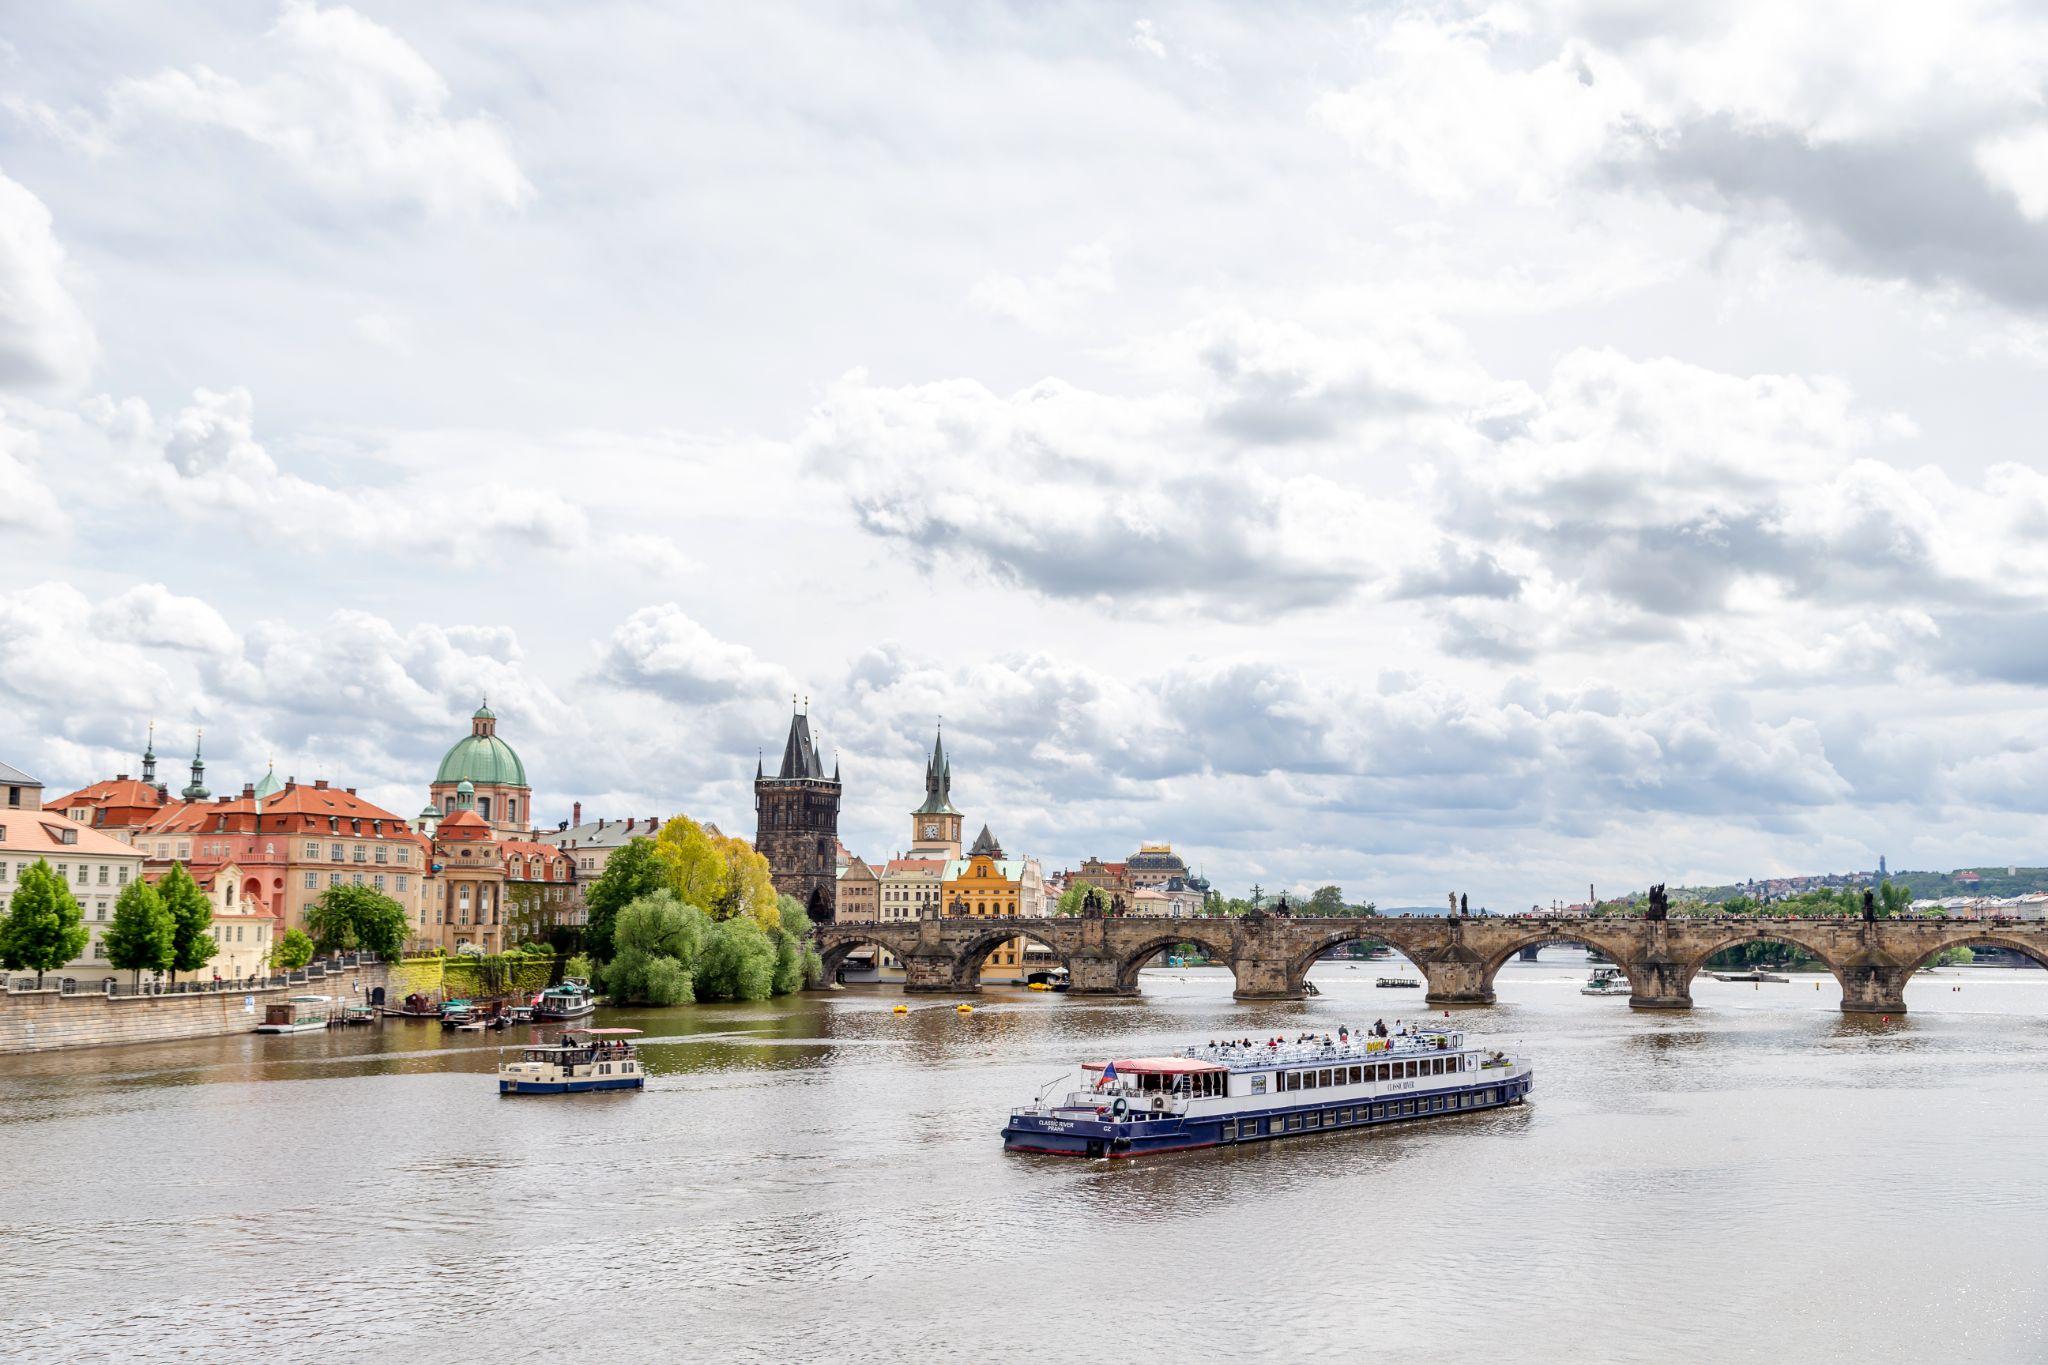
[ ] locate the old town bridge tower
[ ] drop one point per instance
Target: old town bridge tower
(796, 823)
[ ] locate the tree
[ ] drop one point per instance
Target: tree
(357, 918)
(738, 962)
(657, 942)
(1076, 900)
(44, 928)
(723, 876)
(191, 914)
(797, 963)
(631, 873)
(143, 936)
(1894, 900)
(293, 951)
(1326, 901)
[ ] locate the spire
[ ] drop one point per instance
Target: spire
(196, 789)
(938, 780)
(760, 768)
(985, 846)
(149, 755)
(799, 755)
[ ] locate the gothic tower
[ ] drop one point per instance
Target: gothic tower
(935, 825)
(796, 823)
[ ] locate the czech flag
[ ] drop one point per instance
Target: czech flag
(1108, 1074)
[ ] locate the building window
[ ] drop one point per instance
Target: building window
(335, 853)
(362, 854)
(104, 870)
(312, 850)
(312, 880)
(401, 884)
(121, 874)
(383, 853)
(404, 856)
(184, 851)
(378, 881)
(356, 877)
(334, 879)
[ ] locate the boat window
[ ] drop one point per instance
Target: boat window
(1413, 1069)
(1291, 1080)
(1379, 1073)
(1357, 1074)
(1308, 1080)
(1315, 1120)
(1326, 1076)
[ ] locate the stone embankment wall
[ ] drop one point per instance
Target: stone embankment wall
(449, 977)
(39, 1021)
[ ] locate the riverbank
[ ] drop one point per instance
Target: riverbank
(47, 1020)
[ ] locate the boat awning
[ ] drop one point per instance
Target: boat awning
(1158, 1066)
(605, 1032)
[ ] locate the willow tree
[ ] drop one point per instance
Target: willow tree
(723, 876)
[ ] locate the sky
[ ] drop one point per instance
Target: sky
(1495, 448)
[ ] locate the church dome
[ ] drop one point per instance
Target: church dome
(480, 757)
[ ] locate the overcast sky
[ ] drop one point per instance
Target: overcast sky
(1494, 448)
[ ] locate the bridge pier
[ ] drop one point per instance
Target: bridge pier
(1659, 984)
(932, 974)
(1455, 981)
(1095, 976)
(1265, 979)
(1874, 989)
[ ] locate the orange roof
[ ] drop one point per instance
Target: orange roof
(527, 848)
(45, 835)
(331, 812)
(463, 826)
(916, 865)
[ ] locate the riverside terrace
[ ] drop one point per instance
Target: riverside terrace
(1270, 955)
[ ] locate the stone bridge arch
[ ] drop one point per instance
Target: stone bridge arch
(1838, 964)
(968, 960)
(1618, 953)
(1298, 966)
(1989, 937)
(833, 951)
(1131, 960)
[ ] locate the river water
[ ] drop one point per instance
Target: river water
(1761, 1179)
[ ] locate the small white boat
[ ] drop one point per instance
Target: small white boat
(585, 1059)
(1606, 981)
(300, 1014)
(570, 1000)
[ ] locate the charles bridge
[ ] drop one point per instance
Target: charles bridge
(1270, 955)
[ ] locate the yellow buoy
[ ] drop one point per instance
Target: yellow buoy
(901, 1009)
(964, 1009)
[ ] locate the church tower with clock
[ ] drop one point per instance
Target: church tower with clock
(935, 825)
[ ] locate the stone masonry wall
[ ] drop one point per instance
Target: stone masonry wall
(40, 1021)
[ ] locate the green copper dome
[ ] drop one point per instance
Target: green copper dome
(480, 757)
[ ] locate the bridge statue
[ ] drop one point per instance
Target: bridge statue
(1660, 906)
(1869, 907)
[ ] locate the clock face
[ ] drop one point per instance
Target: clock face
(931, 831)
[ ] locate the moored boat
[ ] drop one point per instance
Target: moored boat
(585, 1059)
(458, 1013)
(1754, 974)
(1388, 983)
(1606, 981)
(416, 1006)
(1244, 1091)
(299, 1014)
(359, 1014)
(570, 1000)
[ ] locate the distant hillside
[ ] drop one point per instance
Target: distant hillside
(1989, 881)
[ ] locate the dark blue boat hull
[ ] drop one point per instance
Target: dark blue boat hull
(1134, 1134)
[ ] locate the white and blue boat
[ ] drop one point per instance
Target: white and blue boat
(570, 1000)
(585, 1059)
(1253, 1090)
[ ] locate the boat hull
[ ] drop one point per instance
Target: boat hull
(1108, 1137)
(310, 1026)
(562, 1016)
(511, 1087)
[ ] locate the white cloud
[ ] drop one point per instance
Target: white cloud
(662, 651)
(1051, 300)
(351, 107)
(2017, 163)
(44, 335)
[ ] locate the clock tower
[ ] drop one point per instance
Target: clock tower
(935, 825)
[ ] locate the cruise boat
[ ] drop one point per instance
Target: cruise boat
(299, 1014)
(570, 1000)
(1606, 981)
(1252, 1090)
(585, 1059)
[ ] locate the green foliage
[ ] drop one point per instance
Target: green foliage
(738, 962)
(580, 967)
(292, 951)
(657, 942)
(1325, 901)
(1077, 898)
(631, 873)
(357, 918)
(723, 876)
(44, 928)
(192, 917)
(1958, 956)
(142, 937)
(526, 916)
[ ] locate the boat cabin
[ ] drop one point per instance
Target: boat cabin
(1146, 1076)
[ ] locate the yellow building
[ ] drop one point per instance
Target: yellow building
(985, 883)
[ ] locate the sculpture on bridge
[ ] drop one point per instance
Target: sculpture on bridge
(1464, 903)
(1660, 907)
(1869, 906)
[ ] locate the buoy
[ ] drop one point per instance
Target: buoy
(901, 1009)
(964, 1009)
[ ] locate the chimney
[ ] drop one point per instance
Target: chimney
(600, 822)
(248, 790)
(350, 790)
(630, 821)
(575, 814)
(319, 784)
(120, 777)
